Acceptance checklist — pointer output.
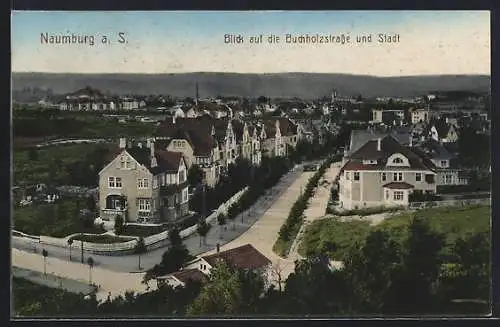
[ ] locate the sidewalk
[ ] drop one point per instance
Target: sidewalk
(264, 233)
(110, 282)
(316, 208)
(53, 281)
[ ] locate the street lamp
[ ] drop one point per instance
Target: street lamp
(81, 244)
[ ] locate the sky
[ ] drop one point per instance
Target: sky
(430, 42)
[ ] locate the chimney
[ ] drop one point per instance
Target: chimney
(173, 119)
(379, 144)
(123, 143)
(411, 141)
(218, 247)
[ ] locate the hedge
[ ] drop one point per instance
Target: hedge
(292, 224)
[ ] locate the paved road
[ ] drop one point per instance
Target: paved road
(317, 206)
(129, 263)
(264, 233)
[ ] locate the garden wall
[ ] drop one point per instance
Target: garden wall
(151, 242)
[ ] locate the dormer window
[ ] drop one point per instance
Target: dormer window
(397, 161)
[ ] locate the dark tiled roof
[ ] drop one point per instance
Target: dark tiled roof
(190, 274)
(287, 127)
(197, 131)
(238, 127)
(389, 146)
(167, 161)
(399, 186)
(243, 257)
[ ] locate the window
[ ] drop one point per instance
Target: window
(397, 161)
(356, 176)
(155, 181)
(443, 163)
(448, 179)
(397, 177)
(418, 177)
(144, 205)
(114, 182)
(386, 194)
(184, 195)
(384, 177)
(142, 183)
(182, 176)
(398, 196)
(347, 175)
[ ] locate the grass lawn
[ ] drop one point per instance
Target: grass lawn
(59, 219)
(453, 222)
(144, 231)
(103, 239)
(37, 171)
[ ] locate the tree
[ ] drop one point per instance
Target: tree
(90, 263)
(412, 281)
(473, 262)
(140, 248)
(202, 229)
(45, 255)
(221, 295)
(118, 224)
(70, 243)
(91, 203)
(172, 260)
(221, 220)
(195, 175)
(174, 237)
(33, 154)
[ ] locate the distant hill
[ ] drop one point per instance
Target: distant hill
(302, 85)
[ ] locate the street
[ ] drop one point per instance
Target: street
(130, 263)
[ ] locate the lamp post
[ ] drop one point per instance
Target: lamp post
(81, 244)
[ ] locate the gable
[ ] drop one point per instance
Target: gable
(115, 163)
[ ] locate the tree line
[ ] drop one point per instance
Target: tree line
(379, 277)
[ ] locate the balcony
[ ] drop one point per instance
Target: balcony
(171, 189)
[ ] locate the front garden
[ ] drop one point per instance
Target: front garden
(337, 237)
(102, 239)
(58, 219)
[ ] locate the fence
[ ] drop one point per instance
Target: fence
(449, 203)
(151, 242)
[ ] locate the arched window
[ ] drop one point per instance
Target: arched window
(397, 161)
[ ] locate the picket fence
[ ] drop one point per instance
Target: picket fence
(448, 203)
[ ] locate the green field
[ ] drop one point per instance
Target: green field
(37, 169)
(58, 219)
(453, 222)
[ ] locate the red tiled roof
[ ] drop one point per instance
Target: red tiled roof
(398, 186)
(388, 147)
(243, 257)
(190, 274)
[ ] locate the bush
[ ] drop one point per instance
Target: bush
(103, 239)
(365, 211)
(295, 218)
